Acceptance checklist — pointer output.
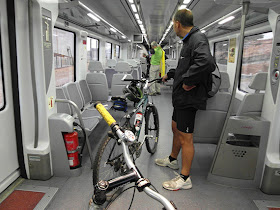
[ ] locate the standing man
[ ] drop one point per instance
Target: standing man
(192, 81)
(156, 52)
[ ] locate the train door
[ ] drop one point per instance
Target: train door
(8, 147)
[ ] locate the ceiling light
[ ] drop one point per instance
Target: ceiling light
(137, 16)
(226, 20)
(186, 1)
(129, 40)
(123, 37)
(133, 8)
(183, 6)
(93, 17)
(139, 21)
(203, 31)
(114, 30)
(131, 1)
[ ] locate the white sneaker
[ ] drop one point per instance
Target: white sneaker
(166, 162)
(177, 183)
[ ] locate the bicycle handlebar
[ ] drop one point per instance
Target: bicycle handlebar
(142, 80)
(104, 113)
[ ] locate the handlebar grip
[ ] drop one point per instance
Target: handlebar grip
(104, 113)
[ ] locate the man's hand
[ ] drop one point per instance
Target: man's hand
(188, 88)
(164, 78)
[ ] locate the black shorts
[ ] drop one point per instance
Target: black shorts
(184, 119)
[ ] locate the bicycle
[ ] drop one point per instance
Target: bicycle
(109, 162)
(124, 138)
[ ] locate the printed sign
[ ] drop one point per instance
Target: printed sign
(232, 48)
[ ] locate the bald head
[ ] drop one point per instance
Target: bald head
(184, 16)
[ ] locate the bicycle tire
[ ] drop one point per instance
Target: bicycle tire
(104, 169)
(151, 128)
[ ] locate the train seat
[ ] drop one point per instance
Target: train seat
(62, 107)
(96, 82)
(143, 64)
(209, 123)
(95, 66)
(117, 86)
(73, 94)
(98, 91)
(111, 63)
(170, 64)
(89, 123)
(136, 72)
(253, 102)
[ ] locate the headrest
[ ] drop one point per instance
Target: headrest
(132, 62)
(111, 63)
(225, 84)
(95, 66)
(259, 81)
(122, 66)
(171, 62)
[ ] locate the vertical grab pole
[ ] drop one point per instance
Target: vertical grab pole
(245, 9)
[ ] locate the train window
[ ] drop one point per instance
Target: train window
(256, 58)
(92, 49)
(2, 98)
(118, 49)
(64, 56)
(108, 50)
(221, 54)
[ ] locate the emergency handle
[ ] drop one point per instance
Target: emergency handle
(104, 113)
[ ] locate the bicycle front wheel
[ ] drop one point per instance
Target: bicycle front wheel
(109, 161)
(151, 128)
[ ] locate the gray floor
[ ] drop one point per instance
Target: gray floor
(75, 192)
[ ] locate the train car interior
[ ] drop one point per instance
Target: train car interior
(66, 64)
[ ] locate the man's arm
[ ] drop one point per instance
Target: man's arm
(202, 63)
(169, 75)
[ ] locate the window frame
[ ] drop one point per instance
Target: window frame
(240, 70)
(119, 51)
(75, 57)
(111, 57)
(214, 48)
(2, 72)
(98, 50)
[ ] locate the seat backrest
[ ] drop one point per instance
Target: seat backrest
(118, 85)
(135, 68)
(143, 60)
(225, 83)
(123, 66)
(209, 123)
(95, 66)
(85, 92)
(170, 64)
(98, 86)
(253, 102)
(62, 107)
(73, 94)
(111, 63)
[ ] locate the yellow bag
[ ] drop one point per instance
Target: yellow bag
(162, 64)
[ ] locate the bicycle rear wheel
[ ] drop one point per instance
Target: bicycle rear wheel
(109, 161)
(151, 128)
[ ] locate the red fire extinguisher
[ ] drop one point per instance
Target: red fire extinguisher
(72, 143)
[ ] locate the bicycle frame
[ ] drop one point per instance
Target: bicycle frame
(144, 102)
(125, 138)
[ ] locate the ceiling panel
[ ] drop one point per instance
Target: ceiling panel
(157, 15)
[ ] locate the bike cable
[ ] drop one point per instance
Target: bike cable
(114, 198)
